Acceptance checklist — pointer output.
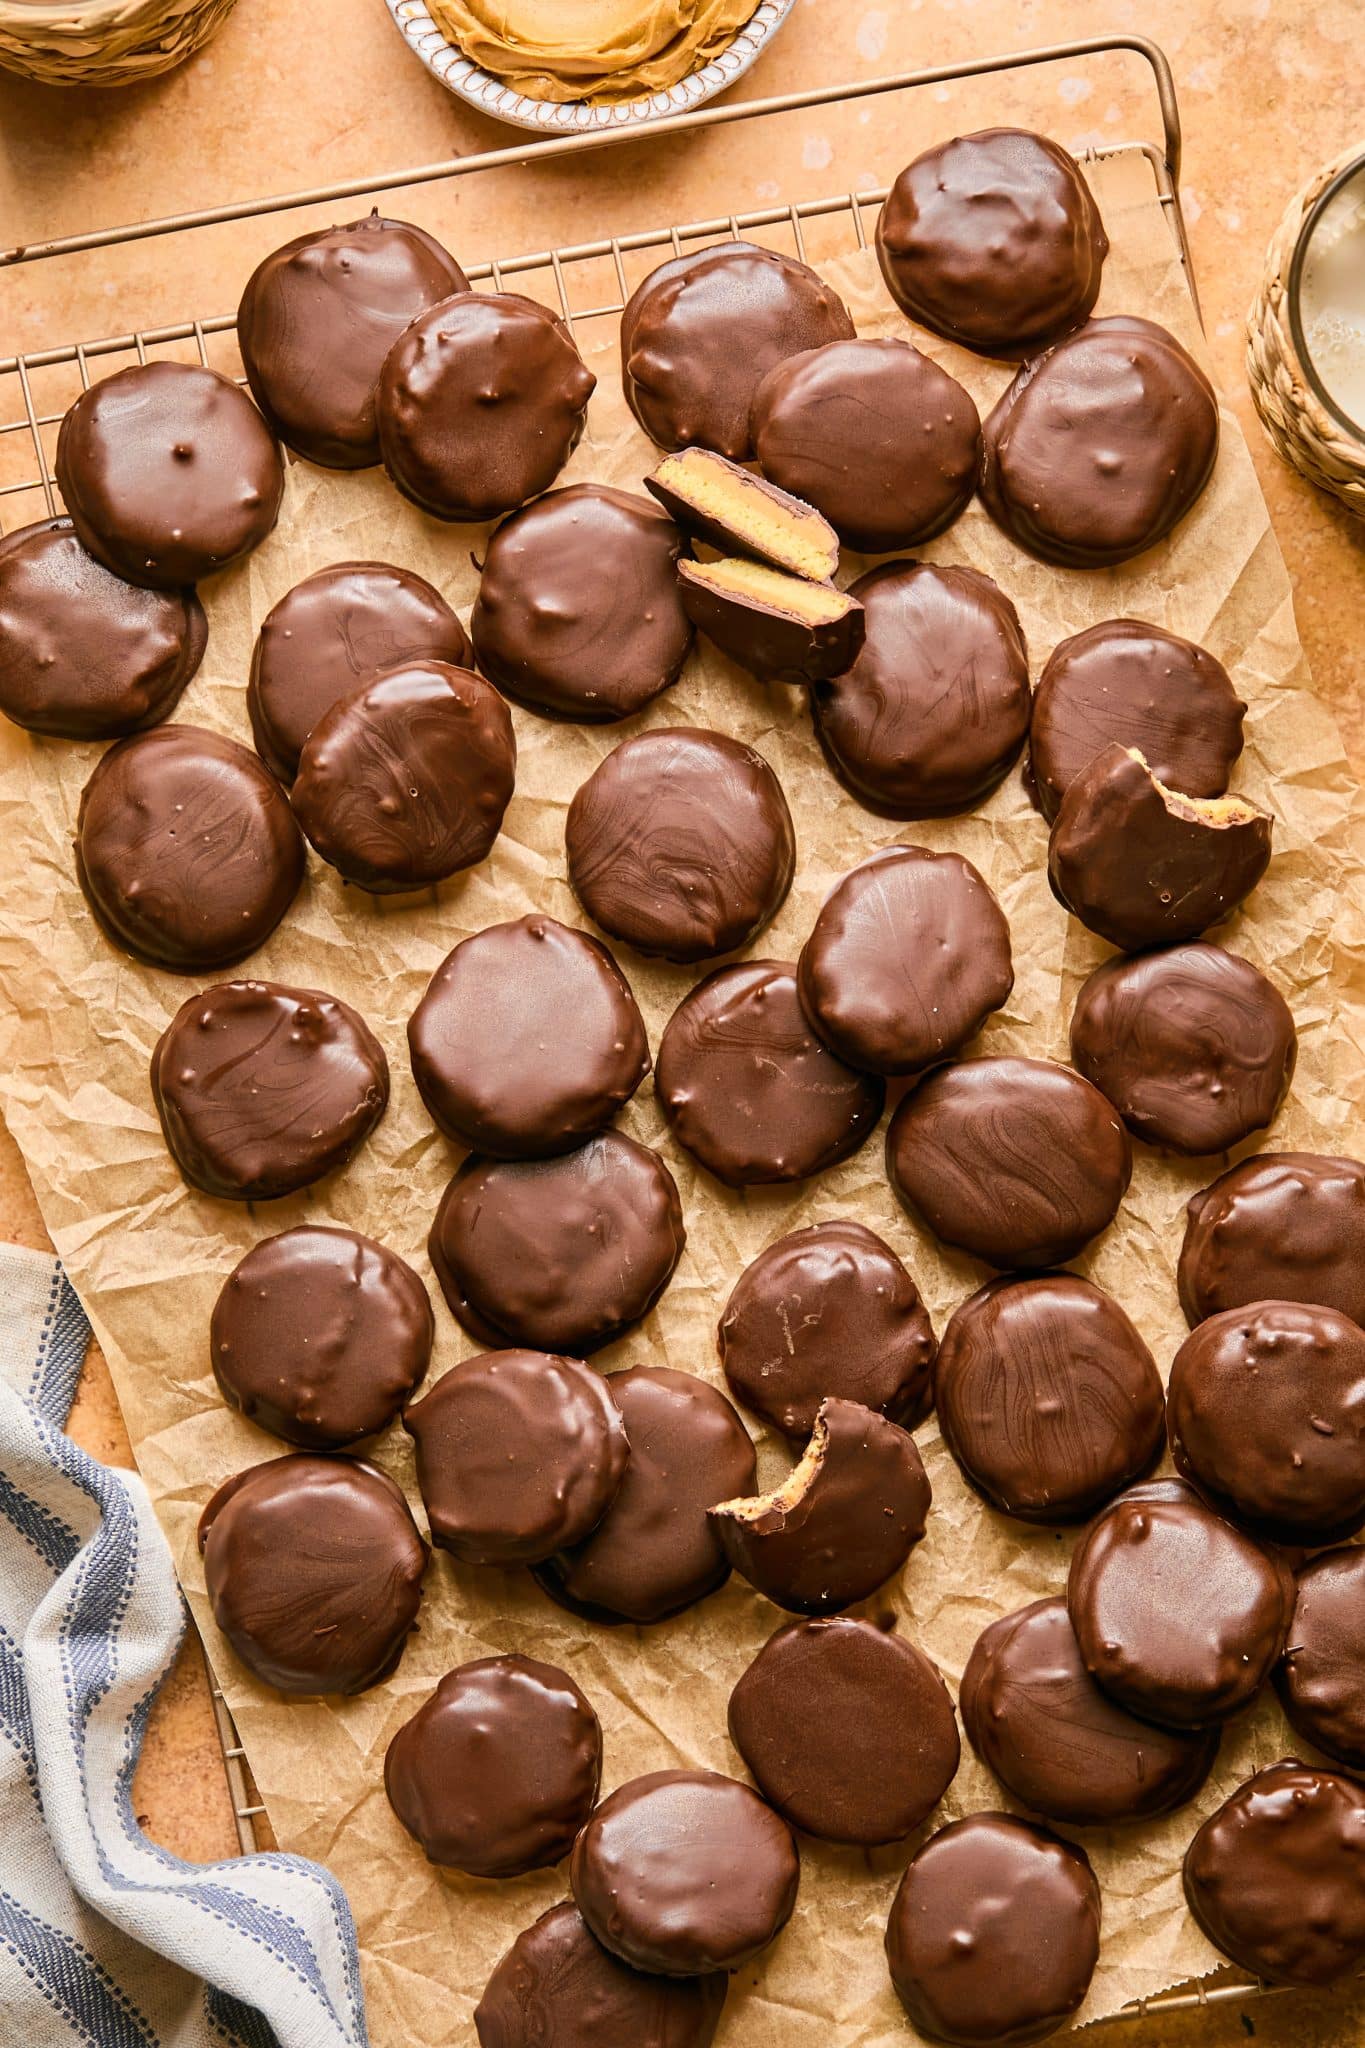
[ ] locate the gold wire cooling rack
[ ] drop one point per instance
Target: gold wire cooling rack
(588, 283)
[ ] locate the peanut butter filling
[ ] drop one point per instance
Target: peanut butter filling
(815, 604)
(756, 515)
(591, 49)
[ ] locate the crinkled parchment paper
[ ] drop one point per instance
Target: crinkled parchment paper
(148, 1255)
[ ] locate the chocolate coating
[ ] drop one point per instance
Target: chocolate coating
(848, 1730)
(1193, 1046)
(907, 959)
(1179, 1616)
(496, 1773)
(528, 1040)
(1036, 1717)
(84, 655)
(578, 614)
(1019, 1162)
(320, 1335)
(262, 1089)
(934, 710)
(1276, 1877)
(187, 852)
(480, 403)
(994, 1933)
(681, 844)
(683, 1872)
(317, 319)
(314, 1571)
(557, 1987)
(701, 331)
(329, 634)
(1047, 1397)
(654, 1551)
(168, 472)
(827, 1310)
(749, 1089)
(777, 627)
(1267, 1417)
(405, 781)
(994, 240)
(1133, 685)
(1321, 1677)
(558, 1254)
(1142, 866)
(1100, 446)
(518, 1454)
(1284, 1226)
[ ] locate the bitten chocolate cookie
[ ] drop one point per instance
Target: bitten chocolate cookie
(700, 333)
(557, 1987)
(320, 1336)
(496, 1773)
(848, 1730)
(314, 1571)
(262, 1090)
(1019, 1162)
(934, 710)
(680, 843)
(1321, 1677)
(748, 1088)
(168, 472)
(528, 1040)
(480, 403)
(907, 959)
(780, 628)
(186, 850)
(1284, 1226)
(739, 513)
(994, 240)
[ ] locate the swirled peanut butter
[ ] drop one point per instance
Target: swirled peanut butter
(591, 49)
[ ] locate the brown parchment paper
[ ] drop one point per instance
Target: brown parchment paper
(148, 1255)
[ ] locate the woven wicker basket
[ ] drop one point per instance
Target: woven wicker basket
(1302, 429)
(103, 42)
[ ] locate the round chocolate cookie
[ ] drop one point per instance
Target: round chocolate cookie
(319, 316)
(558, 1254)
(749, 1089)
(907, 959)
(1047, 1397)
(1193, 1046)
(1019, 1162)
(1321, 1677)
(499, 1769)
(1101, 446)
(684, 1872)
(186, 849)
(332, 632)
(528, 1040)
(700, 333)
(1276, 1877)
(1179, 1616)
(578, 614)
(84, 655)
(827, 1310)
(680, 843)
(874, 435)
(557, 1987)
(1132, 685)
(262, 1090)
(1267, 1417)
(994, 1933)
(314, 1572)
(168, 472)
(994, 240)
(1036, 1717)
(655, 1552)
(848, 1730)
(1284, 1226)
(935, 709)
(406, 780)
(320, 1336)
(518, 1454)
(480, 404)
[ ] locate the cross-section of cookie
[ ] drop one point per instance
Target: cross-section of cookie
(743, 514)
(780, 628)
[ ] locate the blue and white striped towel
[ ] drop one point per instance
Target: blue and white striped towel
(104, 1938)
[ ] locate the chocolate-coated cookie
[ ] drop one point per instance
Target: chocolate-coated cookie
(781, 628)
(1283, 1226)
(557, 1987)
(1321, 1677)
(738, 513)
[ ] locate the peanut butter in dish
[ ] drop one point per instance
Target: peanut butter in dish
(605, 50)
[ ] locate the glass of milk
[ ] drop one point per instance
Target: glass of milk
(1327, 297)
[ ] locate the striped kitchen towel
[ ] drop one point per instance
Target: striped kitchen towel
(106, 1939)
